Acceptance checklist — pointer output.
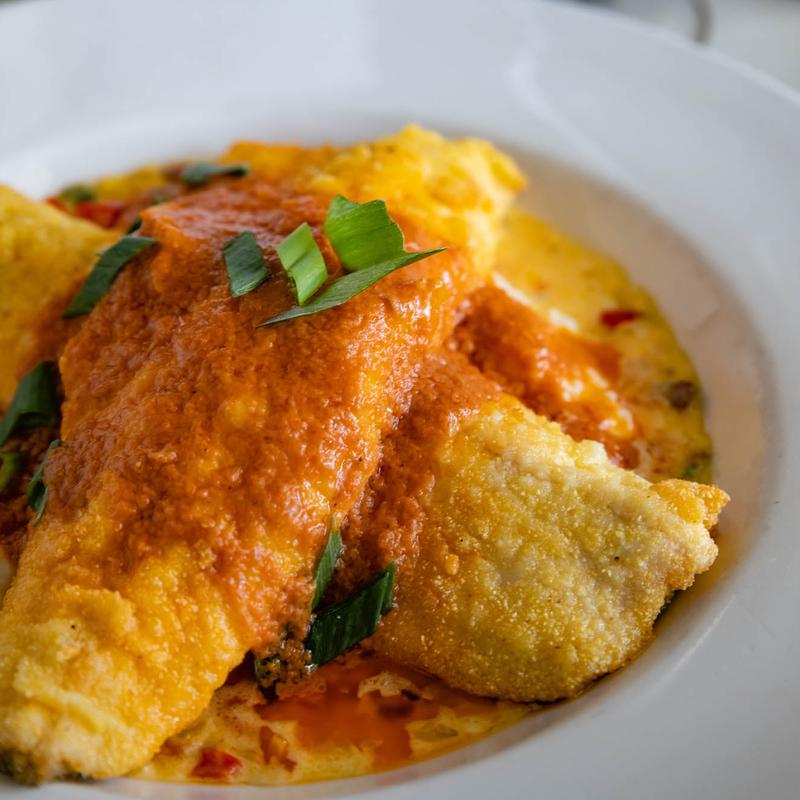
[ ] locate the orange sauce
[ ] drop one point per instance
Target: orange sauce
(329, 709)
(567, 378)
(360, 713)
(264, 433)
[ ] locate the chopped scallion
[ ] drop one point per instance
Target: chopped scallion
(245, 263)
(344, 288)
(362, 234)
(37, 490)
(135, 225)
(77, 193)
(303, 261)
(201, 172)
(106, 268)
(10, 466)
(326, 565)
(338, 628)
(368, 243)
(35, 402)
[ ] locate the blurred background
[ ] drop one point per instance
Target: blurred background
(763, 33)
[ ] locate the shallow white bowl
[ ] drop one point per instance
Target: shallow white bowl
(683, 166)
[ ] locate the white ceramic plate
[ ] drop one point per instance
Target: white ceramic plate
(683, 166)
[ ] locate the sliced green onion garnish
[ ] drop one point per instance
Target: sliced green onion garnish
(344, 625)
(363, 234)
(368, 243)
(37, 490)
(35, 403)
(135, 225)
(327, 563)
(245, 263)
(10, 465)
(302, 259)
(201, 172)
(342, 289)
(77, 193)
(106, 268)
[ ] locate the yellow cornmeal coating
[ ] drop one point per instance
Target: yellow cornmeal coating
(572, 284)
(93, 644)
(126, 186)
(542, 566)
(43, 254)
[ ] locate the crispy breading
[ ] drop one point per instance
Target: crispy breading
(43, 254)
(541, 566)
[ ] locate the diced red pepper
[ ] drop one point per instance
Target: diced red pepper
(619, 316)
(216, 764)
(104, 213)
(55, 201)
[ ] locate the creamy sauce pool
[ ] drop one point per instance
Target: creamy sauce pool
(584, 291)
(358, 714)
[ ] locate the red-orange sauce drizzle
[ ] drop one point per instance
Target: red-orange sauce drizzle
(328, 711)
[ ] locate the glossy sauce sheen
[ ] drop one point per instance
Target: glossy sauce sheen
(563, 377)
(585, 292)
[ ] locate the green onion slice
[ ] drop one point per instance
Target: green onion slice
(201, 172)
(35, 402)
(245, 263)
(344, 288)
(302, 259)
(10, 466)
(344, 625)
(327, 563)
(77, 193)
(37, 490)
(106, 268)
(369, 245)
(135, 225)
(363, 234)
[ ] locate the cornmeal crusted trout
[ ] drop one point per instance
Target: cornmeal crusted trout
(529, 564)
(203, 459)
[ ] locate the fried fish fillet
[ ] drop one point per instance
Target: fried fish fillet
(43, 253)
(530, 564)
(203, 459)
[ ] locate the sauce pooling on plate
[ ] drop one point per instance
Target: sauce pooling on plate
(359, 714)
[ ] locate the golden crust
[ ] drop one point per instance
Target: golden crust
(457, 190)
(541, 565)
(82, 666)
(43, 253)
